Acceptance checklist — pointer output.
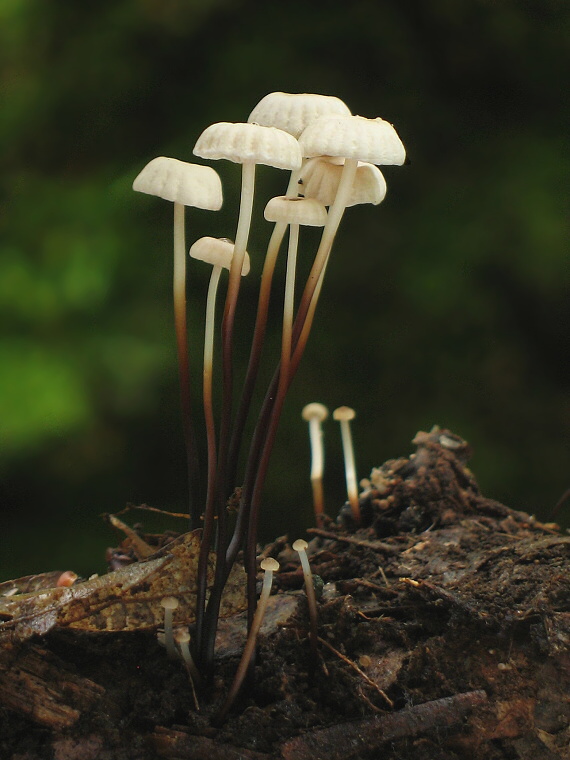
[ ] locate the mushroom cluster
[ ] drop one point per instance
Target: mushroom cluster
(332, 158)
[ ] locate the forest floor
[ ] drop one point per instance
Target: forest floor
(444, 632)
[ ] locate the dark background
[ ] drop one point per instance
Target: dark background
(446, 304)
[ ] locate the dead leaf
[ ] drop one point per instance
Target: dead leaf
(124, 600)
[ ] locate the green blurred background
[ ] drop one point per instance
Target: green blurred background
(446, 304)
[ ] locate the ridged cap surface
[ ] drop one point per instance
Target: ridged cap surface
(307, 211)
(240, 142)
(321, 179)
(181, 182)
(372, 140)
(217, 252)
(293, 112)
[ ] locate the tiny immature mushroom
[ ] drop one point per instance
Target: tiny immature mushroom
(301, 546)
(344, 414)
(182, 638)
(185, 185)
(269, 566)
(315, 414)
(169, 603)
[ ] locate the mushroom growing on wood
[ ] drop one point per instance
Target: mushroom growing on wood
(269, 566)
(344, 414)
(185, 185)
(315, 414)
(301, 547)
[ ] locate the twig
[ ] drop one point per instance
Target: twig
(361, 673)
(347, 740)
(377, 546)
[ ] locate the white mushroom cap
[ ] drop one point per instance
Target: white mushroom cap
(249, 142)
(169, 602)
(344, 413)
(269, 564)
(181, 182)
(218, 252)
(306, 211)
(315, 411)
(300, 545)
(372, 140)
(293, 112)
(321, 179)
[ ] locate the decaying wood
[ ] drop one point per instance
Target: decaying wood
(40, 686)
(451, 604)
(348, 740)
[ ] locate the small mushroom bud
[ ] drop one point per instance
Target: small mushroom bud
(343, 415)
(169, 603)
(182, 638)
(269, 566)
(300, 546)
(315, 414)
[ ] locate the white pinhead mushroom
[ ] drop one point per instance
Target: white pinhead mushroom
(321, 179)
(292, 112)
(169, 603)
(269, 566)
(301, 546)
(344, 414)
(294, 212)
(185, 185)
(219, 253)
(315, 414)
(182, 638)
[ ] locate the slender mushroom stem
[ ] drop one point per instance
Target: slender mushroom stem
(222, 486)
(289, 302)
(307, 307)
(208, 371)
(315, 414)
(211, 444)
(169, 603)
(300, 546)
(343, 415)
(259, 330)
(256, 347)
(182, 638)
(179, 292)
(269, 566)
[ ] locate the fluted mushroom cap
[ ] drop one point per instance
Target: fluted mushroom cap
(321, 179)
(292, 112)
(217, 252)
(315, 410)
(372, 140)
(239, 142)
(306, 211)
(181, 182)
